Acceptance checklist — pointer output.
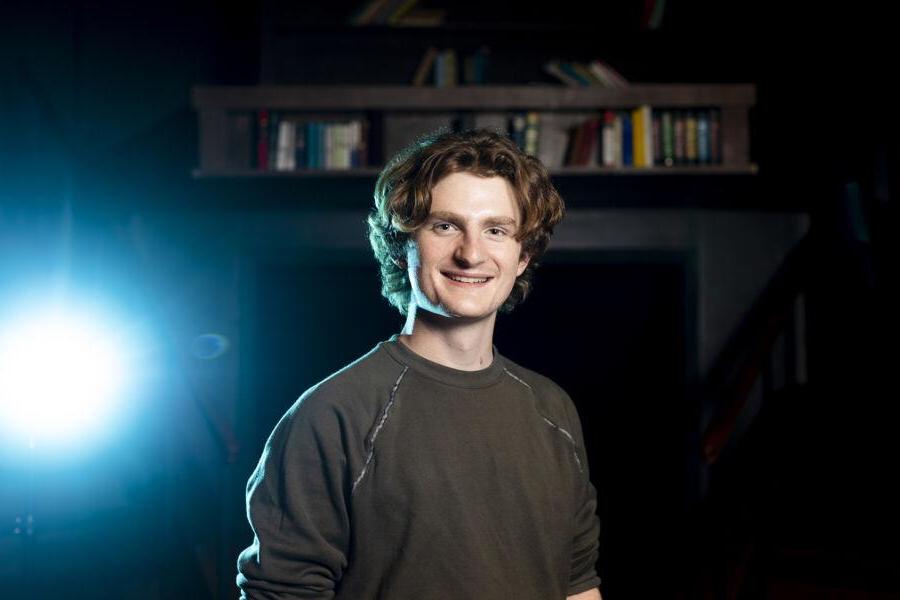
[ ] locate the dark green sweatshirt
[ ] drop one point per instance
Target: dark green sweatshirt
(399, 478)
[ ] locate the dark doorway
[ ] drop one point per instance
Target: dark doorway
(613, 329)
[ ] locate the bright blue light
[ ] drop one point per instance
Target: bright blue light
(61, 374)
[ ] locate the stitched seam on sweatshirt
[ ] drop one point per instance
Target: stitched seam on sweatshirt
(569, 437)
(516, 378)
(554, 426)
(381, 422)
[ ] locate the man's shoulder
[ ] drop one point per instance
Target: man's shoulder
(552, 400)
(359, 386)
(339, 410)
(540, 384)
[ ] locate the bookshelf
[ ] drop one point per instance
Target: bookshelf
(385, 107)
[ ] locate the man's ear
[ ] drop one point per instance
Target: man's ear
(524, 259)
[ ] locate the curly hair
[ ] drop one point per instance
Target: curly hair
(403, 201)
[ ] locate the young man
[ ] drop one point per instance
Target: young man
(433, 467)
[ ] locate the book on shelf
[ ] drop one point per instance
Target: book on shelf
(610, 152)
(702, 137)
(679, 137)
(422, 17)
(690, 138)
(517, 130)
(639, 137)
(289, 142)
(642, 137)
(381, 12)
(555, 137)
(715, 137)
(642, 134)
(521, 127)
(303, 144)
(647, 124)
(396, 13)
(584, 74)
(314, 137)
(627, 138)
(475, 66)
(585, 144)
(262, 140)
(239, 144)
(328, 148)
(360, 156)
(606, 75)
(287, 146)
(668, 138)
(445, 68)
(576, 74)
(555, 68)
(400, 11)
(426, 64)
(272, 136)
(367, 12)
(656, 132)
(532, 132)
(587, 153)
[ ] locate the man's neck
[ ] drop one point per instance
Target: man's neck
(463, 346)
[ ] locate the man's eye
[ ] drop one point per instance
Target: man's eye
(496, 231)
(442, 226)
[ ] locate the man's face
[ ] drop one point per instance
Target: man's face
(464, 260)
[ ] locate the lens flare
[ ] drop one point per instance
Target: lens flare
(60, 375)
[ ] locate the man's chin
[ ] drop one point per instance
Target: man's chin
(448, 316)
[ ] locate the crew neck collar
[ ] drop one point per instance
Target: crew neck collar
(455, 377)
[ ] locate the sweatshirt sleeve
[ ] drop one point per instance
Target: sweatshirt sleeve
(585, 543)
(297, 505)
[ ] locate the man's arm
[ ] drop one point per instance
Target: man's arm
(297, 509)
(585, 543)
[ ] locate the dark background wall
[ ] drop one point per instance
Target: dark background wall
(97, 142)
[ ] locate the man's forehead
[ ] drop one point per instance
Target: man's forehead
(490, 217)
(474, 197)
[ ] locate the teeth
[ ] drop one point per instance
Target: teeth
(466, 279)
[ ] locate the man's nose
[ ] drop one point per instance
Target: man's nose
(470, 250)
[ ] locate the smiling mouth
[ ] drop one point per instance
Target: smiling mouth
(466, 280)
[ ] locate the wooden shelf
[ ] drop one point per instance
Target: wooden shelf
(474, 97)
(217, 107)
(750, 169)
(298, 173)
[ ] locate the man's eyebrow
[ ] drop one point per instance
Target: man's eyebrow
(455, 218)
